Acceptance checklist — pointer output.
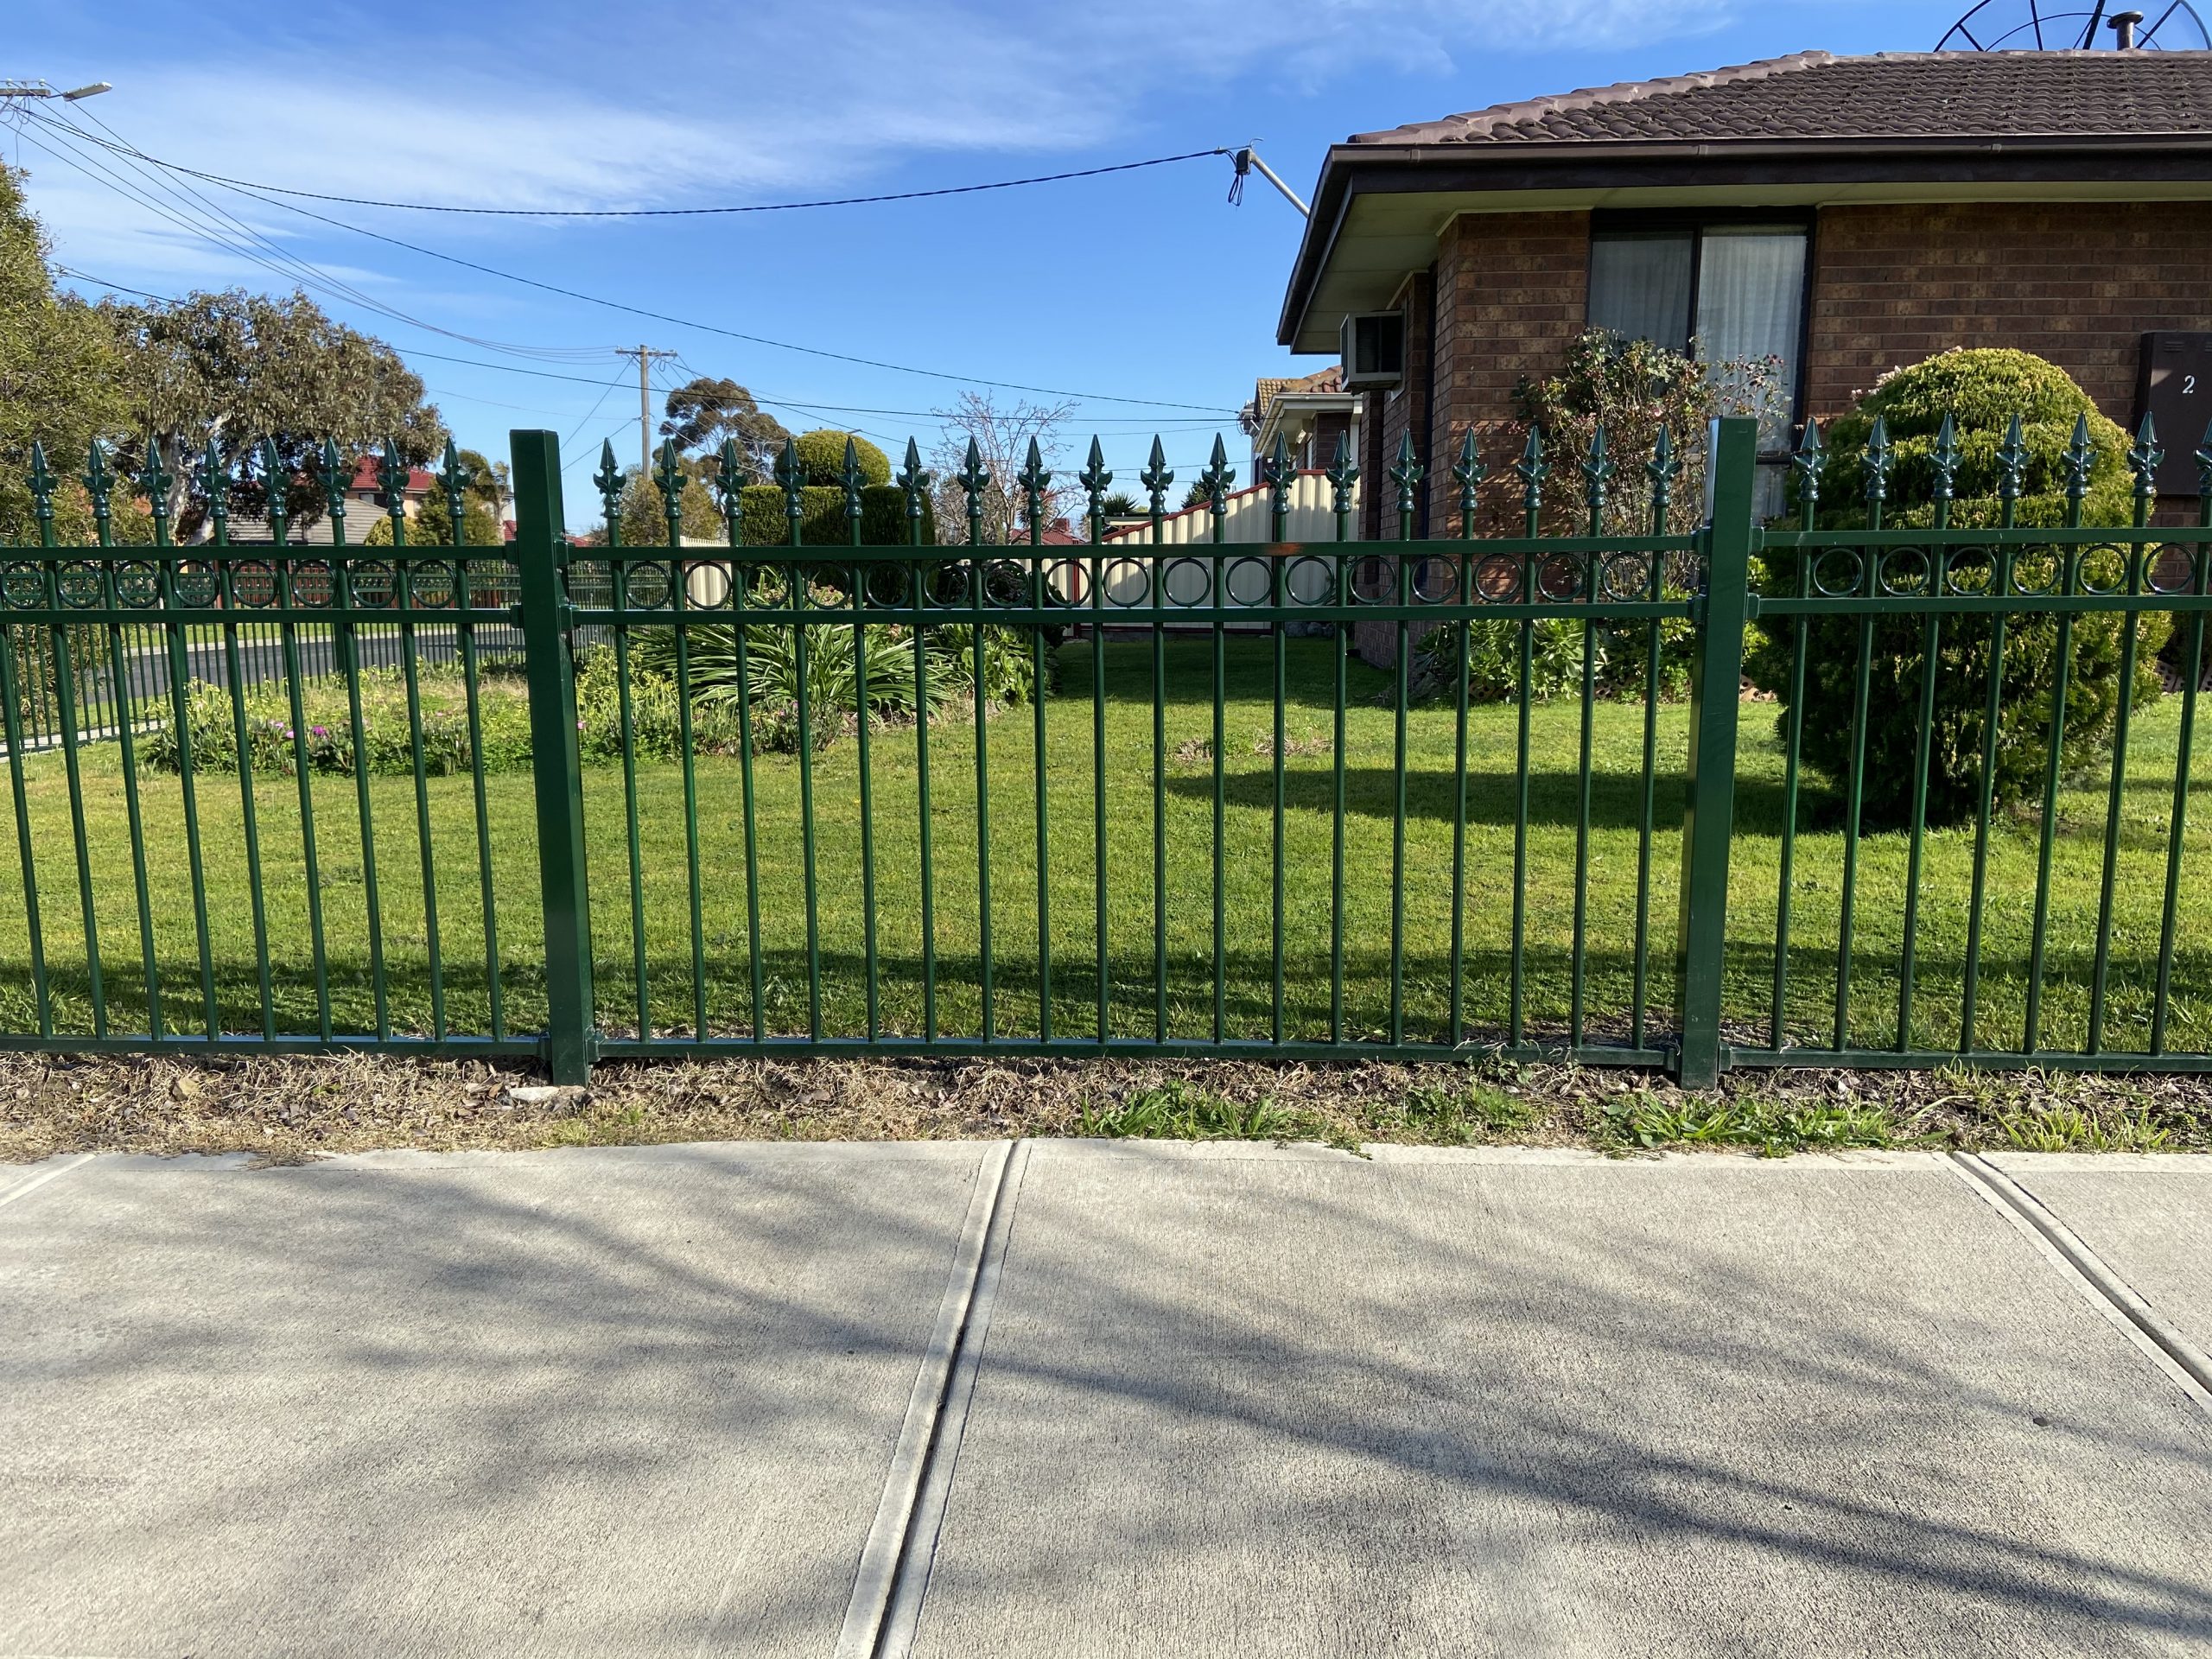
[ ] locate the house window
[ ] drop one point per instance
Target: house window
(1733, 292)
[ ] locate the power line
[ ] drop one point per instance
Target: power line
(675, 213)
(688, 322)
(806, 404)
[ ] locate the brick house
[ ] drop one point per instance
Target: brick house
(1847, 214)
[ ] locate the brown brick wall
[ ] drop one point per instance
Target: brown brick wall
(2077, 283)
(1512, 290)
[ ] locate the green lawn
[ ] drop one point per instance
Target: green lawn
(1371, 788)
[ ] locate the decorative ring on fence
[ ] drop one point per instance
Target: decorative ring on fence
(2104, 569)
(2178, 564)
(1372, 581)
(1309, 580)
(646, 588)
(253, 582)
(1006, 584)
(1064, 582)
(1250, 581)
(1435, 580)
(1560, 578)
(22, 586)
(198, 586)
(138, 585)
(1637, 568)
(1498, 579)
(1186, 582)
(1968, 572)
(1128, 582)
(1901, 572)
(429, 587)
(370, 585)
(81, 587)
(884, 586)
(1837, 572)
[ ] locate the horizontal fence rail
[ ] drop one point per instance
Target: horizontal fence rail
(1287, 798)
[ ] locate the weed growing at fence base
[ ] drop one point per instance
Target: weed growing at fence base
(664, 904)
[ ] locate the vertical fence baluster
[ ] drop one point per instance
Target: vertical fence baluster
(1032, 478)
(66, 699)
(216, 482)
(916, 483)
(1343, 476)
(974, 480)
(11, 712)
(1597, 474)
(1217, 478)
(1094, 478)
(1156, 477)
(793, 477)
(2143, 461)
(1806, 464)
(393, 475)
(2011, 459)
(2177, 826)
(1660, 470)
(609, 481)
(1468, 472)
(1531, 469)
(1946, 459)
(1277, 474)
(343, 573)
(1406, 474)
(454, 479)
(123, 715)
(2081, 454)
(730, 483)
(671, 479)
(863, 695)
(1877, 464)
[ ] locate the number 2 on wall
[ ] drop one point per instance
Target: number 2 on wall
(2187, 385)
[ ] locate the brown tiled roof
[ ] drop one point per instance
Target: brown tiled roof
(1814, 95)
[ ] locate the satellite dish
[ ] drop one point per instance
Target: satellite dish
(2025, 26)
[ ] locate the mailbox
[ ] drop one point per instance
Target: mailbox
(2175, 388)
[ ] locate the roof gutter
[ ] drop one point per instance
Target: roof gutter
(1351, 170)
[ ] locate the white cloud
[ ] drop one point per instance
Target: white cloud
(691, 104)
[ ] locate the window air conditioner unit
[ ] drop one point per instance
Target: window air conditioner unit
(1374, 347)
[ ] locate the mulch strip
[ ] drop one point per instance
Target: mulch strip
(292, 1109)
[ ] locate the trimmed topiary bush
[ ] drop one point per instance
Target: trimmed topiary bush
(822, 516)
(1982, 391)
(822, 457)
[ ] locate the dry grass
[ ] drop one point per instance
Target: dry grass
(289, 1110)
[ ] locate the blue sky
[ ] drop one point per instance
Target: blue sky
(1145, 285)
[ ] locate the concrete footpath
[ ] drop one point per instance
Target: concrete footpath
(1105, 1399)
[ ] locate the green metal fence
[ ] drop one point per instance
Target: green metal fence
(1070, 800)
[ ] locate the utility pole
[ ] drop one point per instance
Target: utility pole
(645, 355)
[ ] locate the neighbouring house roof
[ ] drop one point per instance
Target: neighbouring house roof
(1888, 95)
(366, 481)
(1802, 131)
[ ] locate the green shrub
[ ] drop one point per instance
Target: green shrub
(823, 521)
(822, 457)
(447, 749)
(1982, 390)
(656, 711)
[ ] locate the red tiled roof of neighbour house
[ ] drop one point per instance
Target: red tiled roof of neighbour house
(1816, 95)
(365, 480)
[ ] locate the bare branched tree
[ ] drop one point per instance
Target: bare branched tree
(1001, 437)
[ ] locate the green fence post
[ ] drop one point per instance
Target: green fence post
(1708, 801)
(541, 552)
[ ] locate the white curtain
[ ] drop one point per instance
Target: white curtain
(1640, 286)
(1750, 300)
